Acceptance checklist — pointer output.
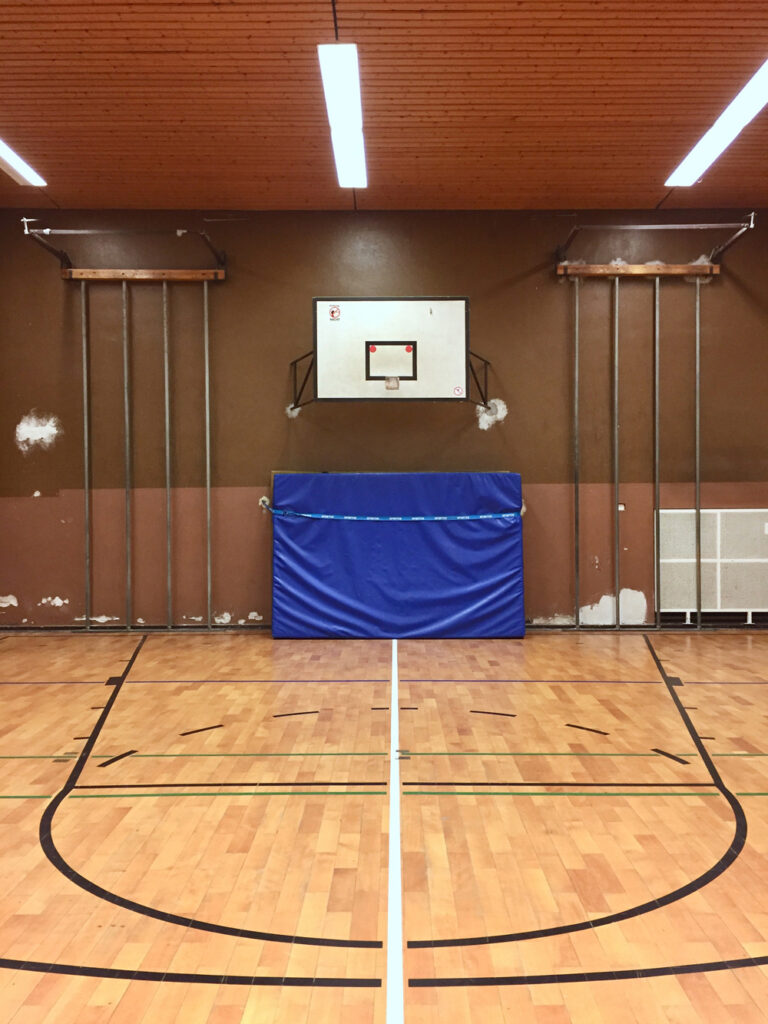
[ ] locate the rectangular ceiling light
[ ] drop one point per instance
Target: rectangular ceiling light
(736, 116)
(17, 168)
(341, 85)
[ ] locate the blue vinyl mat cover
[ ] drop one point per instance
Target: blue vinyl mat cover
(383, 576)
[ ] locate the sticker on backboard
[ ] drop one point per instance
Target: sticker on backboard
(334, 312)
(458, 391)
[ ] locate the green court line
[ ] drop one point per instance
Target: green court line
(37, 757)
(27, 796)
(230, 792)
(334, 753)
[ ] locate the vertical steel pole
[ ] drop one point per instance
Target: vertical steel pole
(167, 405)
(86, 447)
(576, 460)
(616, 524)
(656, 452)
(127, 431)
(698, 452)
(206, 349)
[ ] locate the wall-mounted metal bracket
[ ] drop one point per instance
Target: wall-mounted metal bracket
(478, 368)
(298, 391)
(481, 387)
(40, 235)
(661, 269)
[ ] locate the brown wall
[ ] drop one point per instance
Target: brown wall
(261, 318)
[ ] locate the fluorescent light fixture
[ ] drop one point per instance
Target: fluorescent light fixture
(341, 85)
(736, 116)
(17, 168)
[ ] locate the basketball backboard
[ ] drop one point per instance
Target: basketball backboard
(391, 348)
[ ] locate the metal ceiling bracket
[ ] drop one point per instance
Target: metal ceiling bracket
(718, 251)
(739, 228)
(217, 273)
(60, 255)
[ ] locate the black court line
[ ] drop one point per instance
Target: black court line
(404, 707)
(291, 714)
(200, 979)
(585, 728)
(197, 785)
(502, 714)
(717, 869)
(591, 976)
(206, 728)
(119, 757)
(692, 707)
(672, 757)
(380, 709)
(54, 856)
(114, 681)
(98, 707)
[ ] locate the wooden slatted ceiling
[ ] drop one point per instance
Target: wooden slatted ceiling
(217, 104)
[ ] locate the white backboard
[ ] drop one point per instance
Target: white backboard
(391, 349)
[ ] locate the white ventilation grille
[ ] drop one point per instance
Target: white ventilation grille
(734, 560)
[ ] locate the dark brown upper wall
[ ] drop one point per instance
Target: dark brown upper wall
(261, 318)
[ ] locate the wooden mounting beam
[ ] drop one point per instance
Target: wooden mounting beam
(86, 274)
(638, 270)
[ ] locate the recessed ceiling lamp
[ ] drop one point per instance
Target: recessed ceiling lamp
(17, 168)
(341, 85)
(736, 116)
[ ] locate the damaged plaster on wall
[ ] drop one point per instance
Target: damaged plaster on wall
(633, 607)
(494, 412)
(9, 601)
(35, 431)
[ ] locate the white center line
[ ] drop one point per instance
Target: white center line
(395, 993)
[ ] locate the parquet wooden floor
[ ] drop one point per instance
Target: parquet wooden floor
(194, 828)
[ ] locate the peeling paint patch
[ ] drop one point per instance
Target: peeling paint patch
(36, 494)
(140, 621)
(193, 618)
(291, 412)
(37, 431)
(102, 619)
(553, 620)
(8, 600)
(57, 602)
(224, 619)
(255, 617)
(633, 608)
